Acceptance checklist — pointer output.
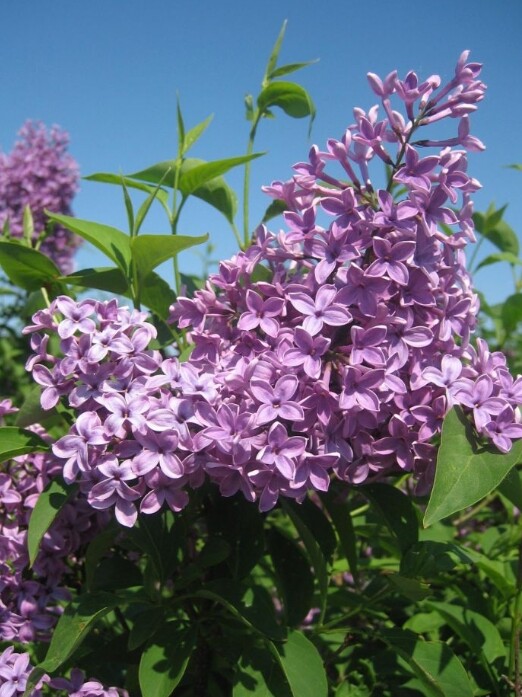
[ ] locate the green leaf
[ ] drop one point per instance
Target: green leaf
(15, 441)
(511, 488)
(165, 659)
(293, 99)
(259, 675)
(31, 411)
(466, 469)
(274, 209)
(97, 549)
(314, 550)
(397, 510)
(516, 166)
(108, 178)
(479, 633)
(32, 681)
(26, 267)
(251, 604)
(302, 665)
(77, 620)
(112, 242)
(412, 588)
(294, 576)
(128, 206)
(193, 176)
(339, 511)
(274, 55)
(145, 625)
(496, 230)
(508, 257)
(28, 224)
(431, 558)
(49, 503)
(149, 251)
(195, 133)
(433, 663)
(110, 278)
(157, 295)
(512, 312)
(289, 68)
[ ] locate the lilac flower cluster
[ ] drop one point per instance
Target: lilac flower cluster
(39, 173)
(334, 348)
(30, 601)
(15, 669)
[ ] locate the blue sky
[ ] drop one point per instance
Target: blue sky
(108, 71)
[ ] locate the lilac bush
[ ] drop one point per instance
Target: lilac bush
(335, 348)
(41, 174)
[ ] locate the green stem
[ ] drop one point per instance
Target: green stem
(246, 183)
(474, 255)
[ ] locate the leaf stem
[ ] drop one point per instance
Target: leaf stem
(246, 182)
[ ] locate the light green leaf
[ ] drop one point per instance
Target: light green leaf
(77, 620)
(302, 665)
(193, 176)
(15, 441)
(195, 133)
(289, 68)
(432, 662)
(508, 257)
(466, 470)
(511, 488)
(108, 178)
(165, 660)
(149, 251)
(49, 503)
(28, 224)
(397, 510)
(293, 99)
(157, 295)
(110, 278)
(274, 209)
(26, 267)
(112, 242)
(479, 633)
(274, 55)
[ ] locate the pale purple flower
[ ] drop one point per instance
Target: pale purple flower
(321, 310)
(276, 402)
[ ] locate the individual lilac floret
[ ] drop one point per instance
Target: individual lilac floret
(39, 173)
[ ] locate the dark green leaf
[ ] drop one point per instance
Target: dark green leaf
(145, 625)
(433, 663)
(111, 279)
(251, 604)
(165, 659)
(294, 576)
(49, 503)
(293, 99)
(516, 166)
(412, 588)
(397, 510)
(274, 209)
(115, 573)
(512, 312)
(97, 549)
(26, 267)
(149, 251)
(259, 675)
(302, 665)
(15, 441)
(112, 242)
(240, 524)
(339, 511)
(430, 558)
(77, 620)
(466, 469)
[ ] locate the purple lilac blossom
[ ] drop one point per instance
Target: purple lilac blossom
(39, 173)
(342, 364)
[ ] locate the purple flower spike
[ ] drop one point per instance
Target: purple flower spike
(261, 313)
(282, 450)
(308, 352)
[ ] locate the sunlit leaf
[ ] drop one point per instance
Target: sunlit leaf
(26, 267)
(302, 665)
(466, 469)
(15, 441)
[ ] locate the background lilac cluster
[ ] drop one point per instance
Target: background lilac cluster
(15, 669)
(334, 347)
(30, 599)
(39, 173)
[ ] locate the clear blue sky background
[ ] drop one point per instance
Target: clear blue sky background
(108, 71)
